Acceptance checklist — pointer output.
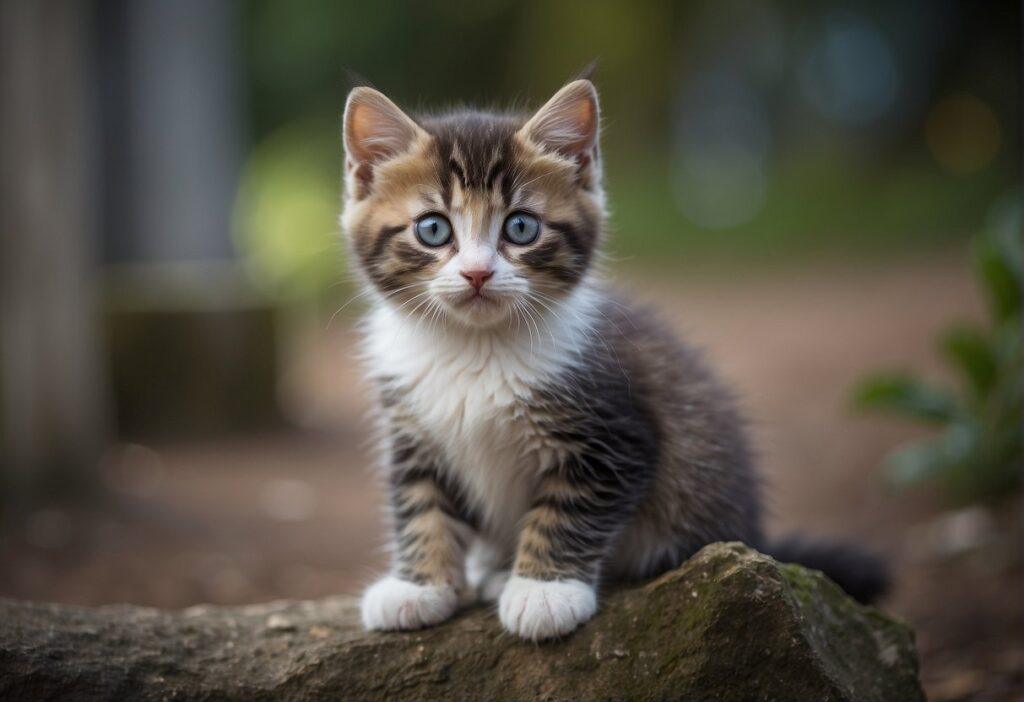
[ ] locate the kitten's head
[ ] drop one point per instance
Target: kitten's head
(472, 217)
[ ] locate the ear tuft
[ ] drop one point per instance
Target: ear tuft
(568, 123)
(375, 128)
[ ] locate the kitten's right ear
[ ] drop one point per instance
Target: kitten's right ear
(375, 130)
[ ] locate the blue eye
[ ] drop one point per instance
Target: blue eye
(521, 228)
(433, 230)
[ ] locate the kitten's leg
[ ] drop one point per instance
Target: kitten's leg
(487, 570)
(430, 538)
(566, 535)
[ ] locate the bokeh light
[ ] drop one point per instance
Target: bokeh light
(721, 145)
(963, 134)
(850, 74)
(286, 212)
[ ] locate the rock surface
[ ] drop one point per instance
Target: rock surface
(730, 624)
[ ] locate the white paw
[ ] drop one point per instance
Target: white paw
(544, 609)
(392, 603)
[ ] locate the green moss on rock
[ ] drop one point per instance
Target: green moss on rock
(730, 624)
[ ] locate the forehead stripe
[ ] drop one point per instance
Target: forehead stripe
(455, 168)
(498, 169)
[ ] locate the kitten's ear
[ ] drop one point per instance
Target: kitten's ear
(375, 130)
(568, 123)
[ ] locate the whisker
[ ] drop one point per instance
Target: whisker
(364, 293)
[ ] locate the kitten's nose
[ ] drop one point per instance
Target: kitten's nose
(477, 278)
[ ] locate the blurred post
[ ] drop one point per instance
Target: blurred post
(172, 143)
(191, 345)
(52, 416)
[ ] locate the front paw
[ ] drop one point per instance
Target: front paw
(391, 604)
(545, 609)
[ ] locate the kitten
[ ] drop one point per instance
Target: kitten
(540, 434)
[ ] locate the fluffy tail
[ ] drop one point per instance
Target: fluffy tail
(864, 576)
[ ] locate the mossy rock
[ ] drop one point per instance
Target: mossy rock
(730, 624)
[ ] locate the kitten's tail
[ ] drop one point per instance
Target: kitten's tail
(864, 576)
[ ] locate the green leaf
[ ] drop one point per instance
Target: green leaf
(972, 353)
(951, 453)
(906, 395)
(917, 462)
(999, 261)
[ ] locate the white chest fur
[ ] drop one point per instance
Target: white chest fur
(468, 390)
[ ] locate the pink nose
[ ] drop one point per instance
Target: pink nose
(477, 278)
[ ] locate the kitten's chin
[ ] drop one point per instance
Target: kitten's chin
(479, 312)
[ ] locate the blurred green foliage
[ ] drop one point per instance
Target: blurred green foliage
(822, 186)
(813, 206)
(979, 453)
(287, 213)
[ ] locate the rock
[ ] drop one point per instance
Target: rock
(729, 624)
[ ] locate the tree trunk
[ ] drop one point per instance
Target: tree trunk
(52, 404)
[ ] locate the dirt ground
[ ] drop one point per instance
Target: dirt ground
(297, 515)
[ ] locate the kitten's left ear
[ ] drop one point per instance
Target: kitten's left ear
(568, 123)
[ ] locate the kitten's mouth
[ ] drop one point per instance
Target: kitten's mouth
(475, 298)
(479, 309)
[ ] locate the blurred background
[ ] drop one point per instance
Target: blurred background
(826, 196)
